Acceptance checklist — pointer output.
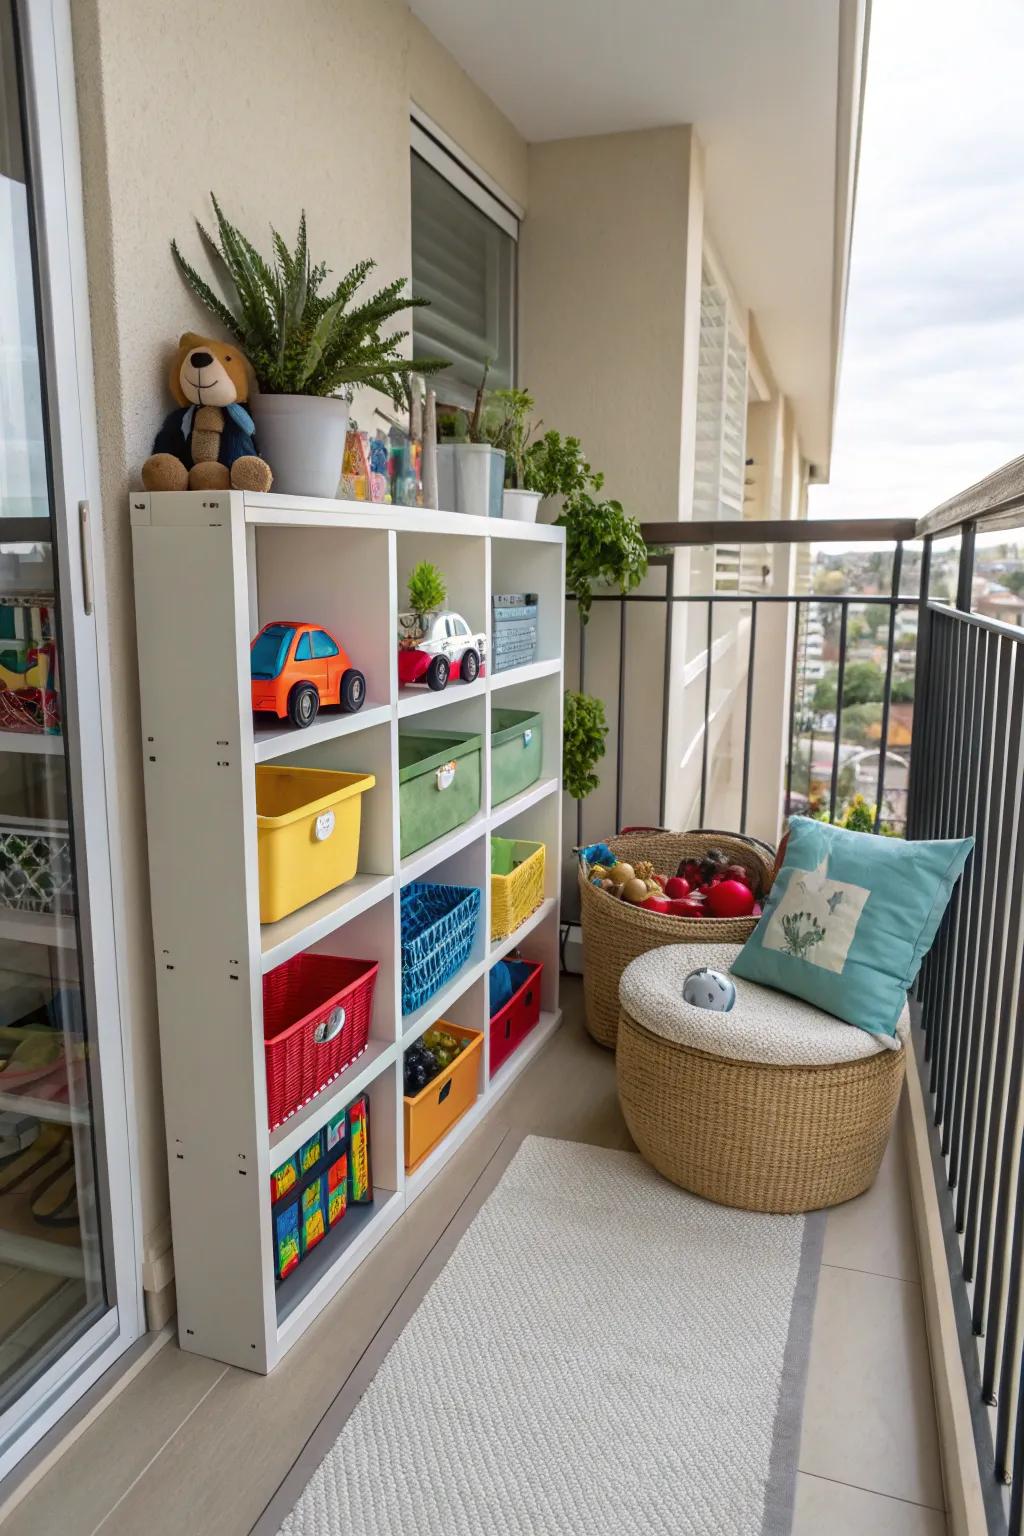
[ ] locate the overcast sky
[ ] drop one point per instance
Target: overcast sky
(932, 386)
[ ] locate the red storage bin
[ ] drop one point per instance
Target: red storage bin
(316, 1021)
(511, 1024)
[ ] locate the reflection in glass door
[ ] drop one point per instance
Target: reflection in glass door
(57, 1290)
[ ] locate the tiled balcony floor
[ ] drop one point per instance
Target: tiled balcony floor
(191, 1446)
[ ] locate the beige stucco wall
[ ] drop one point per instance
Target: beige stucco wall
(447, 94)
(605, 259)
(610, 259)
(275, 107)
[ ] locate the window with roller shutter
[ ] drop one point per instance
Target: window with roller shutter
(464, 263)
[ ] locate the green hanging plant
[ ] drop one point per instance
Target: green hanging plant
(583, 743)
(299, 340)
(555, 466)
(602, 544)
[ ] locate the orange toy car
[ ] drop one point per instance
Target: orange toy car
(297, 667)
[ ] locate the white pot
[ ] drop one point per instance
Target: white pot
(520, 506)
(446, 477)
(302, 438)
(479, 477)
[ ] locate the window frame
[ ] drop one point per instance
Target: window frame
(428, 140)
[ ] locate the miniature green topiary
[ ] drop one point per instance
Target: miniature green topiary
(427, 588)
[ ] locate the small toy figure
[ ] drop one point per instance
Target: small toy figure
(207, 443)
(380, 486)
(297, 667)
(709, 989)
(355, 469)
(432, 647)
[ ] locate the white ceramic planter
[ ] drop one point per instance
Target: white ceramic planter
(446, 477)
(302, 438)
(479, 478)
(520, 506)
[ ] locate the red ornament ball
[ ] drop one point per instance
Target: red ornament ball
(728, 898)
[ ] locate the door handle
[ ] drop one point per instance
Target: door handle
(85, 544)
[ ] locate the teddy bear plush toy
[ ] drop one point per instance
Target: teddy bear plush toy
(207, 442)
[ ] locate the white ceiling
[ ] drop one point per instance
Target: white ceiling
(758, 78)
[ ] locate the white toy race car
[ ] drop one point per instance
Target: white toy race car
(433, 647)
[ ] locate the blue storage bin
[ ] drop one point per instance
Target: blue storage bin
(438, 928)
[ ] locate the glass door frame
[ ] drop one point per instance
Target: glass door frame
(55, 192)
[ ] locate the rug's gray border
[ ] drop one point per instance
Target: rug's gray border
(780, 1494)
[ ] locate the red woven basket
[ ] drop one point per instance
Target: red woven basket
(316, 1021)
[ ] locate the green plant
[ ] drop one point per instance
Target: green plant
(555, 466)
(583, 734)
(301, 341)
(427, 588)
(602, 543)
(457, 425)
(508, 426)
(859, 816)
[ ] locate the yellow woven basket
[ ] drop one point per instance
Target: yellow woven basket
(517, 883)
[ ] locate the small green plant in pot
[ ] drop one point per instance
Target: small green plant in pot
(427, 590)
(470, 467)
(583, 743)
(555, 466)
(509, 416)
(309, 349)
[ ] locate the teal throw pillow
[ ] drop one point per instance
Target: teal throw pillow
(849, 919)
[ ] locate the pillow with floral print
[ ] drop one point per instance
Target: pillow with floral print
(849, 919)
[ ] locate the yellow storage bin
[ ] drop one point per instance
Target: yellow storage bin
(517, 883)
(430, 1115)
(307, 822)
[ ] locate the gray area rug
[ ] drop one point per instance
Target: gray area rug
(602, 1353)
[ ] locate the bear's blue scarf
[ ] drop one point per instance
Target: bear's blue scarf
(238, 413)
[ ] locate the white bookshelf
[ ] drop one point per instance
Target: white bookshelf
(210, 568)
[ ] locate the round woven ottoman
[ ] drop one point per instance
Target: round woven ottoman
(773, 1106)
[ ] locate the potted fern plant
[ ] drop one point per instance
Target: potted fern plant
(309, 348)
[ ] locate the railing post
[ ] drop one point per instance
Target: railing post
(837, 734)
(920, 680)
(883, 742)
(965, 571)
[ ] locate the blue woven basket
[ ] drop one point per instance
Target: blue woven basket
(438, 925)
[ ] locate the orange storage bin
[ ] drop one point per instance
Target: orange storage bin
(432, 1113)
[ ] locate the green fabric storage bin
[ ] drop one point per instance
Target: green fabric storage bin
(432, 800)
(517, 748)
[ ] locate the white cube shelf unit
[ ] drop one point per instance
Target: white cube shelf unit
(210, 569)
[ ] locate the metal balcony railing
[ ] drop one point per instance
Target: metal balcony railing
(686, 669)
(705, 655)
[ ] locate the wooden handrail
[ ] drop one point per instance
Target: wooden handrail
(849, 530)
(997, 501)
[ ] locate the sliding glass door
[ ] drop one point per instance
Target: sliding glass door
(68, 1276)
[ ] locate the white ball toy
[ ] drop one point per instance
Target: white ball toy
(709, 989)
